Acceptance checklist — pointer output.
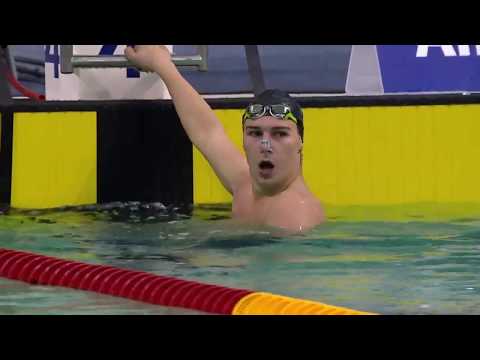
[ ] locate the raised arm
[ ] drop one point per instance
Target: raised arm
(198, 119)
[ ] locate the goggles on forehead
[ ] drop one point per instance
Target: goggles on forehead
(256, 111)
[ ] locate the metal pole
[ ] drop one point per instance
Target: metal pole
(255, 69)
(66, 55)
(11, 62)
(203, 52)
(68, 62)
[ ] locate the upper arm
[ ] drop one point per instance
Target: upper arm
(226, 160)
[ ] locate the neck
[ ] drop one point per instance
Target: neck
(260, 191)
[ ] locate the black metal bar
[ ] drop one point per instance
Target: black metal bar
(255, 68)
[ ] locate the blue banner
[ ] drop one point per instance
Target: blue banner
(427, 68)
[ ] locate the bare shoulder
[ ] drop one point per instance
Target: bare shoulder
(298, 214)
(314, 210)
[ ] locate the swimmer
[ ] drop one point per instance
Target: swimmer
(267, 186)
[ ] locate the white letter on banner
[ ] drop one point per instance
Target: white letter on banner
(464, 50)
(477, 47)
(448, 50)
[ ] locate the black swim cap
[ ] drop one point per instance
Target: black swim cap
(276, 97)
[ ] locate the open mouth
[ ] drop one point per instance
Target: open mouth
(266, 165)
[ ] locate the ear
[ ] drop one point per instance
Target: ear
(300, 141)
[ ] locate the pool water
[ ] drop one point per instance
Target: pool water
(389, 267)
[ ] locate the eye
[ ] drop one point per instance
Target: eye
(280, 133)
(255, 133)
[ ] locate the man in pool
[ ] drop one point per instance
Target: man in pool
(268, 187)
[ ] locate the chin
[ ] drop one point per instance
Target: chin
(270, 185)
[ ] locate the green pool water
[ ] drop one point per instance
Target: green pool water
(413, 266)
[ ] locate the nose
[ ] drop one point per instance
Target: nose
(266, 146)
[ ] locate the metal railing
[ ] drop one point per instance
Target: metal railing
(69, 61)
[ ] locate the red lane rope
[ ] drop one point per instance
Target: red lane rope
(22, 89)
(135, 285)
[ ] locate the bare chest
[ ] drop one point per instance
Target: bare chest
(279, 210)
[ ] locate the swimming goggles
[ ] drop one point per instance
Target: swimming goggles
(256, 111)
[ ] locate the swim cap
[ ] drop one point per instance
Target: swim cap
(276, 97)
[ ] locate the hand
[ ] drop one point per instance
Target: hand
(153, 58)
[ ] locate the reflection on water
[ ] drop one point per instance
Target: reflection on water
(408, 267)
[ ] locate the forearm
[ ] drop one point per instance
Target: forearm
(198, 119)
(196, 116)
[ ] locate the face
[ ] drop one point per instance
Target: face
(273, 148)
